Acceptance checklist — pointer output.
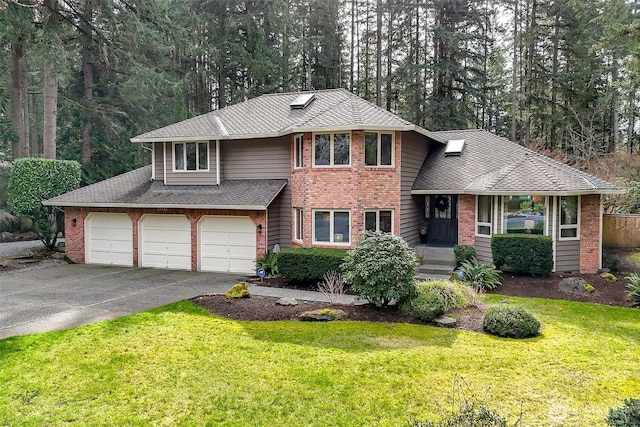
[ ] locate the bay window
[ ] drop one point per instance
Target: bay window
(484, 216)
(569, 214)
(525, 214)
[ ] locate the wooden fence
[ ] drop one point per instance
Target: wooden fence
(621, 230)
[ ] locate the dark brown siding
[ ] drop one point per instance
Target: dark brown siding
(415, 148)
(267, 158)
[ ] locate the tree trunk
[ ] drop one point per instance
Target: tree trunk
(554, 87)
(514, 74)
(19, 101)
(379, 53)
(50, 111)
(631, 120)
(87, 79)
(531, 38)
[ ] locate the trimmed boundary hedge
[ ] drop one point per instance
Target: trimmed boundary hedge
(309, 264)
(523, 253)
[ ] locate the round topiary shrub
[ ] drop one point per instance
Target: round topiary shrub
(427, 306)
(510, 321)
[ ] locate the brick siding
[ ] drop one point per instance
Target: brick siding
(590, 244)
(75, 219)
(466, 219)
(355, 188)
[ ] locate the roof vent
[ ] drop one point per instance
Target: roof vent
(302, 101)
(454, 147)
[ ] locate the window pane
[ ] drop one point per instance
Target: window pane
(484, 229)
(385, 149)
(323, 149)
(385, 221)
(484, 208)
(299, 224)
(370, 221)
(524, 214)
(341, 226)
(569, 211)
(179, 156)
(322, 226)
(191, 156)
(341, 145)
(298, 153)
(370, 149)
(203, 156)
(569, 232)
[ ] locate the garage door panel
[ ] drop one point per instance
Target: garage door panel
(165, 241)
(227, 244)
(108, 239)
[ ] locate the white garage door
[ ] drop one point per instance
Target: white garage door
(108, 239)
(165, 241)
(227, 243)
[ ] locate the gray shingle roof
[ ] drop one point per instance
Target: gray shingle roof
(490, 164)
(270, 115)
(135, 189)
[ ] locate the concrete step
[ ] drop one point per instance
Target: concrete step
(436, 269)
(421, 277)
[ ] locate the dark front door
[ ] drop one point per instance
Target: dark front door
(441, 212)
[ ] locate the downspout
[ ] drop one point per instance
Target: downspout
(217, 162)
(554, 230)
(164, 162)
(600, 218)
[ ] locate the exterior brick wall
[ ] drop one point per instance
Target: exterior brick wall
(355, 188)
(466, 219)
(75, 219)
(590, 243)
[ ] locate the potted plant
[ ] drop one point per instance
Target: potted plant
(424, 225)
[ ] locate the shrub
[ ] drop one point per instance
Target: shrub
(427, 306)
(523, 253)
(464, 253)
(269, 263)
(510, 321)
(309, 264)
(332, 286)
(34, 180)
(381, 268)
(480, 276)
(634, 288)
(239, 290)
(627, 416)
(453, 294)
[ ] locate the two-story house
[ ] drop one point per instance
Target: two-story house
(315, 169)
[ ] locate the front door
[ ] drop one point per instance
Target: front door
(441, 213)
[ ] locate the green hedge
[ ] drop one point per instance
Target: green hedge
(309, 264)
(523, 253)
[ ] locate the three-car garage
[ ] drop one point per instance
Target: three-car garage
(224, 243)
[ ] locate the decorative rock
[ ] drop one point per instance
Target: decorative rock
(239, 290)
(287, 301)
(58, 255)
(446, 321)
(323, 315)
(608, 276)
(575, 285)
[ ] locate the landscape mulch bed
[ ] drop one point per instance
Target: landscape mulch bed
(265, 308)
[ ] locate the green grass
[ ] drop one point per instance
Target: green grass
(634, 258)
(180, 366)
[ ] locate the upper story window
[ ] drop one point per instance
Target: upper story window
(378, 149)
(332, 149)
(483, 217)
(298, 151)
(569, 214)
(191, 156)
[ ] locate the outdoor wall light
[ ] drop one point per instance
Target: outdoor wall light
(259, 229)
(74, 221)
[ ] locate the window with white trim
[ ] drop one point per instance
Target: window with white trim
(569, 217)
(379, 220)
(484, 215)
(298, 224)
(331, 226)
(378, 149)
(191, 156)
(298, 151)
(332, 149)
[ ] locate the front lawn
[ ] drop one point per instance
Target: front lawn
(178, 365)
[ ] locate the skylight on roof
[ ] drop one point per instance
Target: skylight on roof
(454, 147)
(302, 101)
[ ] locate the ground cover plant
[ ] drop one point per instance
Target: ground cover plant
(180, 365)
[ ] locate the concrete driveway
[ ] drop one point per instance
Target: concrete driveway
(70, 295)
